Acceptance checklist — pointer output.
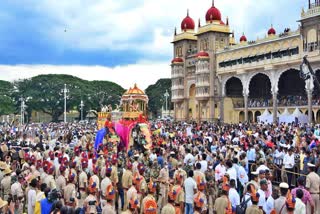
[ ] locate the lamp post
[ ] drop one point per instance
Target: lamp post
(309, 76)
(65, 91)
(81, 108)
(166, 95)
(22, 109)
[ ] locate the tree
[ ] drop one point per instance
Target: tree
(156, 93)
(6, 102)
(45, 93)
(100, 93)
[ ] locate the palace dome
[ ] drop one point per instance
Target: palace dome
(213, 14)
(243, 38)
(271, 31)
(177, 60)
(202, 54)
(187, 23)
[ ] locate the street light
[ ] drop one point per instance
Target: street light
(65, 91)
(306, 71)
(81, 108)
(166, 95)
(23, 107)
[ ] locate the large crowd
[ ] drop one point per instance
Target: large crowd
(190, 168)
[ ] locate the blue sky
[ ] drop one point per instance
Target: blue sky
(117, 35)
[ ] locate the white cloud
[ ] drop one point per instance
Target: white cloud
(143, 25)
(143, 73)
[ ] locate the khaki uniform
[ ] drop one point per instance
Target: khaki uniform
(278, 204)
(132, 192)
(101, 162)
(69, 191)
(180, 196)
(174, 163)
(312, 184)
(205, 203)
(135, 167)
(126, 184)
(57, 170)
(148, 197)
(1, 175)
(221, 205)
(142, 189)
(17, 192)
(114, 175)
(43, 175)
(49, 180)
(254, 209)
(90, 209)
(198, 174)
(61, 182)
(180, 172)
(108, 209)
(164, 187)
(168, 209)
(103, 172)
(83, 183)
(96, 179)
(5, 187)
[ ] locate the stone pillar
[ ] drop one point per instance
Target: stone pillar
(274, 106)
(186, 109)
(221, 109)
(309, 89)
(309, 94)
(199, 111)
(211, 101)
(246, 116)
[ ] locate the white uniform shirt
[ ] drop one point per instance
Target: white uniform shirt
(234, 197)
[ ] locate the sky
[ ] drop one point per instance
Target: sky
(124, 41)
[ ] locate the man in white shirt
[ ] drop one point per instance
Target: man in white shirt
(231, 171)
(189, 158)
(153, 156)
(190, 188)
(300, 207)
(204, 163)
(242, 174)
(270, 200)
(262, 198)
(288, 162)
(233, 194)
(219, 170)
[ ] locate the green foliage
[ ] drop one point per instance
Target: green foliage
(44, 93)
(6, 102)
(156, 96)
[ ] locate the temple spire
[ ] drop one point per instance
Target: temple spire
(175, 31)
(187, 12)
(227, 21)
(199, 25)
(212, 3)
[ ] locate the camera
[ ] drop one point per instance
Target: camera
(92, 203)
(71, 199)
